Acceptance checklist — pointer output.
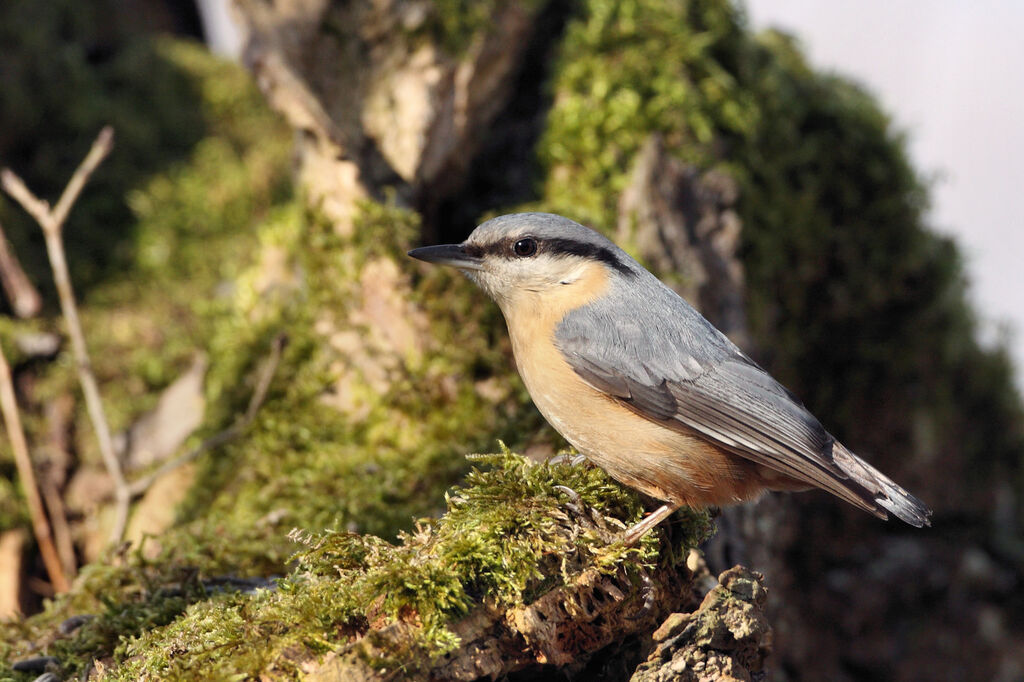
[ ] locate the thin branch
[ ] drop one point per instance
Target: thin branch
(63, 541)
(35, 207)
(53, 475)
(266, 375)
(52, 222)
(40, 526)
(25, 299)
(99, 151)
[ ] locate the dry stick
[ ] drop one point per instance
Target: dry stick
(140, 486)
(53, 477)
(40, 526)
(52, 222)
(65, 544)
(25, 299)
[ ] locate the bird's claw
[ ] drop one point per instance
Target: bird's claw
(575, 503)
(573, 495)
(570, 459)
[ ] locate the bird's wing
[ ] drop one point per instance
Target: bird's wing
(684, 373)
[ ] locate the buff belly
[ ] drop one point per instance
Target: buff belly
(662, 462)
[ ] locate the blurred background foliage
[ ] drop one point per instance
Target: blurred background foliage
(191, 213)
(70, 68)
(170, 216)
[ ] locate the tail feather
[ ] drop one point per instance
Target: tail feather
(886, 495)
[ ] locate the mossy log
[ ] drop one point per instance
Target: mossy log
(528, 575)
(523, 573)
(578, 630)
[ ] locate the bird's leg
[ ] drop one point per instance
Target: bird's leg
(633, 535)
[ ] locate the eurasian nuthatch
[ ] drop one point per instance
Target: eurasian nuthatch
(645, 387)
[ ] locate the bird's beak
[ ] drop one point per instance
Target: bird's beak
(448, 254)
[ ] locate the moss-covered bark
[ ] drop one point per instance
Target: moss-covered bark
(515, 533)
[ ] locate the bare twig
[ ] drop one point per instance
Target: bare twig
(40, 526)
(100, 149)
(11, 579)
(53, 476)
(259, 394)
(64, 543)
(25, 299)
(52, 222)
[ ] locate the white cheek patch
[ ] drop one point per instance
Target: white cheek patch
(540, 273)
(502, 278)
(573, 275)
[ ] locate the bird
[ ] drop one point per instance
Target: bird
(645, 387)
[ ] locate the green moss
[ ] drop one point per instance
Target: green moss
(453, 24)
(627, 70)
(506, 534)
(359, 433)
(507, 537)
(127, 594)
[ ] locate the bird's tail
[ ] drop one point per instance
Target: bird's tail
(877, 488)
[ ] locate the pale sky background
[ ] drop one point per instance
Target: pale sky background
(951, 75)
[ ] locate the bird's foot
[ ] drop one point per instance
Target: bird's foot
(633, 535)
(587, 515)
(569, 458)
(575, 503)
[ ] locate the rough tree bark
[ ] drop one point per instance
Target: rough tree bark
(723, 637)
(383, 108)
(378, 103)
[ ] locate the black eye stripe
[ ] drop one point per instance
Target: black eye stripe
(586, 250)
(555, 246)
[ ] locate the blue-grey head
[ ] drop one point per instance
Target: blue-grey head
(518, 256)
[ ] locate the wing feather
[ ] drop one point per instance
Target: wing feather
(689, 376)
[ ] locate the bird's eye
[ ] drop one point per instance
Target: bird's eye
(525, 247)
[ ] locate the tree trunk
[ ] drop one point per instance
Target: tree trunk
(386, 109)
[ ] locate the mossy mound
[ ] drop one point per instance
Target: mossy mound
(376, 397)
(508, 536)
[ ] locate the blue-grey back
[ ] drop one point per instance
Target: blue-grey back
(648, 328)
(644, 344)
